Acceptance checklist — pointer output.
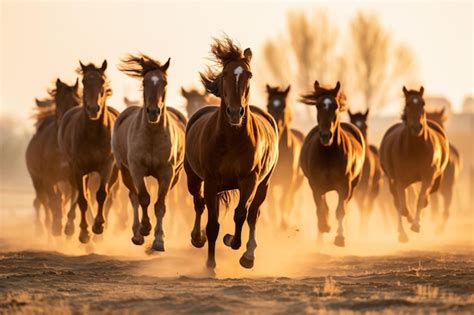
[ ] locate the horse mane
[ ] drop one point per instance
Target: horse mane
(137, 66)
(223, 51)
(312, 97)
(41, 114)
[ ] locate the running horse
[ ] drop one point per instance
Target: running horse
(371, 180)
(149, 141)
(231, 146)
(196, 100)
(414, 150)
(288, 174)
(44, 161)
(332, 156)
(450, 175)
(85, 139)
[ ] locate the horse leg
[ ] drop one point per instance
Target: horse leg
(80, 181)
(101, 196)
(143, 199)
(194, 183)
(344, 193)
(164, 184)
(55, 201)
(112, 188)
(421, 203)
(71, 214)
(247, 189)
(448, 198)
(127, 180)
(40, 199)
(401, 205)
(248, 258)
(322, 210)
(212, 227)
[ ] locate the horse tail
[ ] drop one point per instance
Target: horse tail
(226, 198)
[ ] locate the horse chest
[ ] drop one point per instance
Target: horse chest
(151, 153)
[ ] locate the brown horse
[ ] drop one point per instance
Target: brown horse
(85, 139)
(45, 164)
(414, 150)
(450, 175)
(233, 146)
(332, 156)
(149, 141)
(288, 174)
(196, 100)
(369, 186)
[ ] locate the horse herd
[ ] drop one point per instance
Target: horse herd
(231, 146)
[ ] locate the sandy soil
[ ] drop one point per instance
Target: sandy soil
(293, 274)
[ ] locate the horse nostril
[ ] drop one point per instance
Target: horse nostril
(241, 111)
(227, 110)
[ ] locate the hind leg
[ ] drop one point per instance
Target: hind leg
(127, 180)
(80, 181)
(247, 189)
(112, 187)
(103, 193)
(198, 238)
(71, 214)
(399, 196)
(344, 193)
(448, 197)
(212, 227)
(422, 203)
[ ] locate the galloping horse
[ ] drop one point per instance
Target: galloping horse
(450, 174)
(332, 156)
(288, 174)
(85, 139)
(196, 100)
(371, 180)
(149, 141)
(414, 150)
(231, 146)
(44, 161)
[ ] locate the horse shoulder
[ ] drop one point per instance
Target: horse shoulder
(198, 114)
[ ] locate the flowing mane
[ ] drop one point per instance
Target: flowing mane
(223, 51)
(137, 66)
(312, 97)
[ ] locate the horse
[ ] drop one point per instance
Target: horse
(149, 141)
(372, 174)
(450, 175)
(195, 100)
(84, 138)
(414, 150)
(332, 156)
(288, 174)
(228, 147)
(45, 164)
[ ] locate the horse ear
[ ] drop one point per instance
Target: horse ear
(184, 92)
(422, 89)
(38, 102)
(269, 89)
(316, 84)
(82, 65)
(288, 89)
(337, 88)
(58, 82)
(104, 65)
(366, 113)
(165, 67)
(405, 91)
(248, 54)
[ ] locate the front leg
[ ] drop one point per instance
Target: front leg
(212, 227)
(138, 178)
(101, 196)
(164, 183)
(344, 192)
(247, 189)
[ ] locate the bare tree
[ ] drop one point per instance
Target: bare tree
(377, 66)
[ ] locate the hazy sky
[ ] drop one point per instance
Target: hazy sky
(43, 40)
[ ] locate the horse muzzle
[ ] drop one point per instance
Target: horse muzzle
(93, 112)
(153, 114)
(325, 137)
(235, 115)
(416, 130)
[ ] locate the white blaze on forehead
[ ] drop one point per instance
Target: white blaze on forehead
(327, 102)
(415, 100)
(276, 103)
(155, 79)
(238, 71)
(359, 123)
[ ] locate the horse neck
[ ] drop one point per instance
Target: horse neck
(224, 128)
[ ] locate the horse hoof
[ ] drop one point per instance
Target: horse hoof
(230, 241)
(409, 218)
(145, 228)
(403, 238)
(324, 228)
(158, 246)
(138, 240)
(198, 242)
(245, 262)
(211, 264)
(84, 237)
(98, 228)
(339, 241)
(69, 229)
(415, 227)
